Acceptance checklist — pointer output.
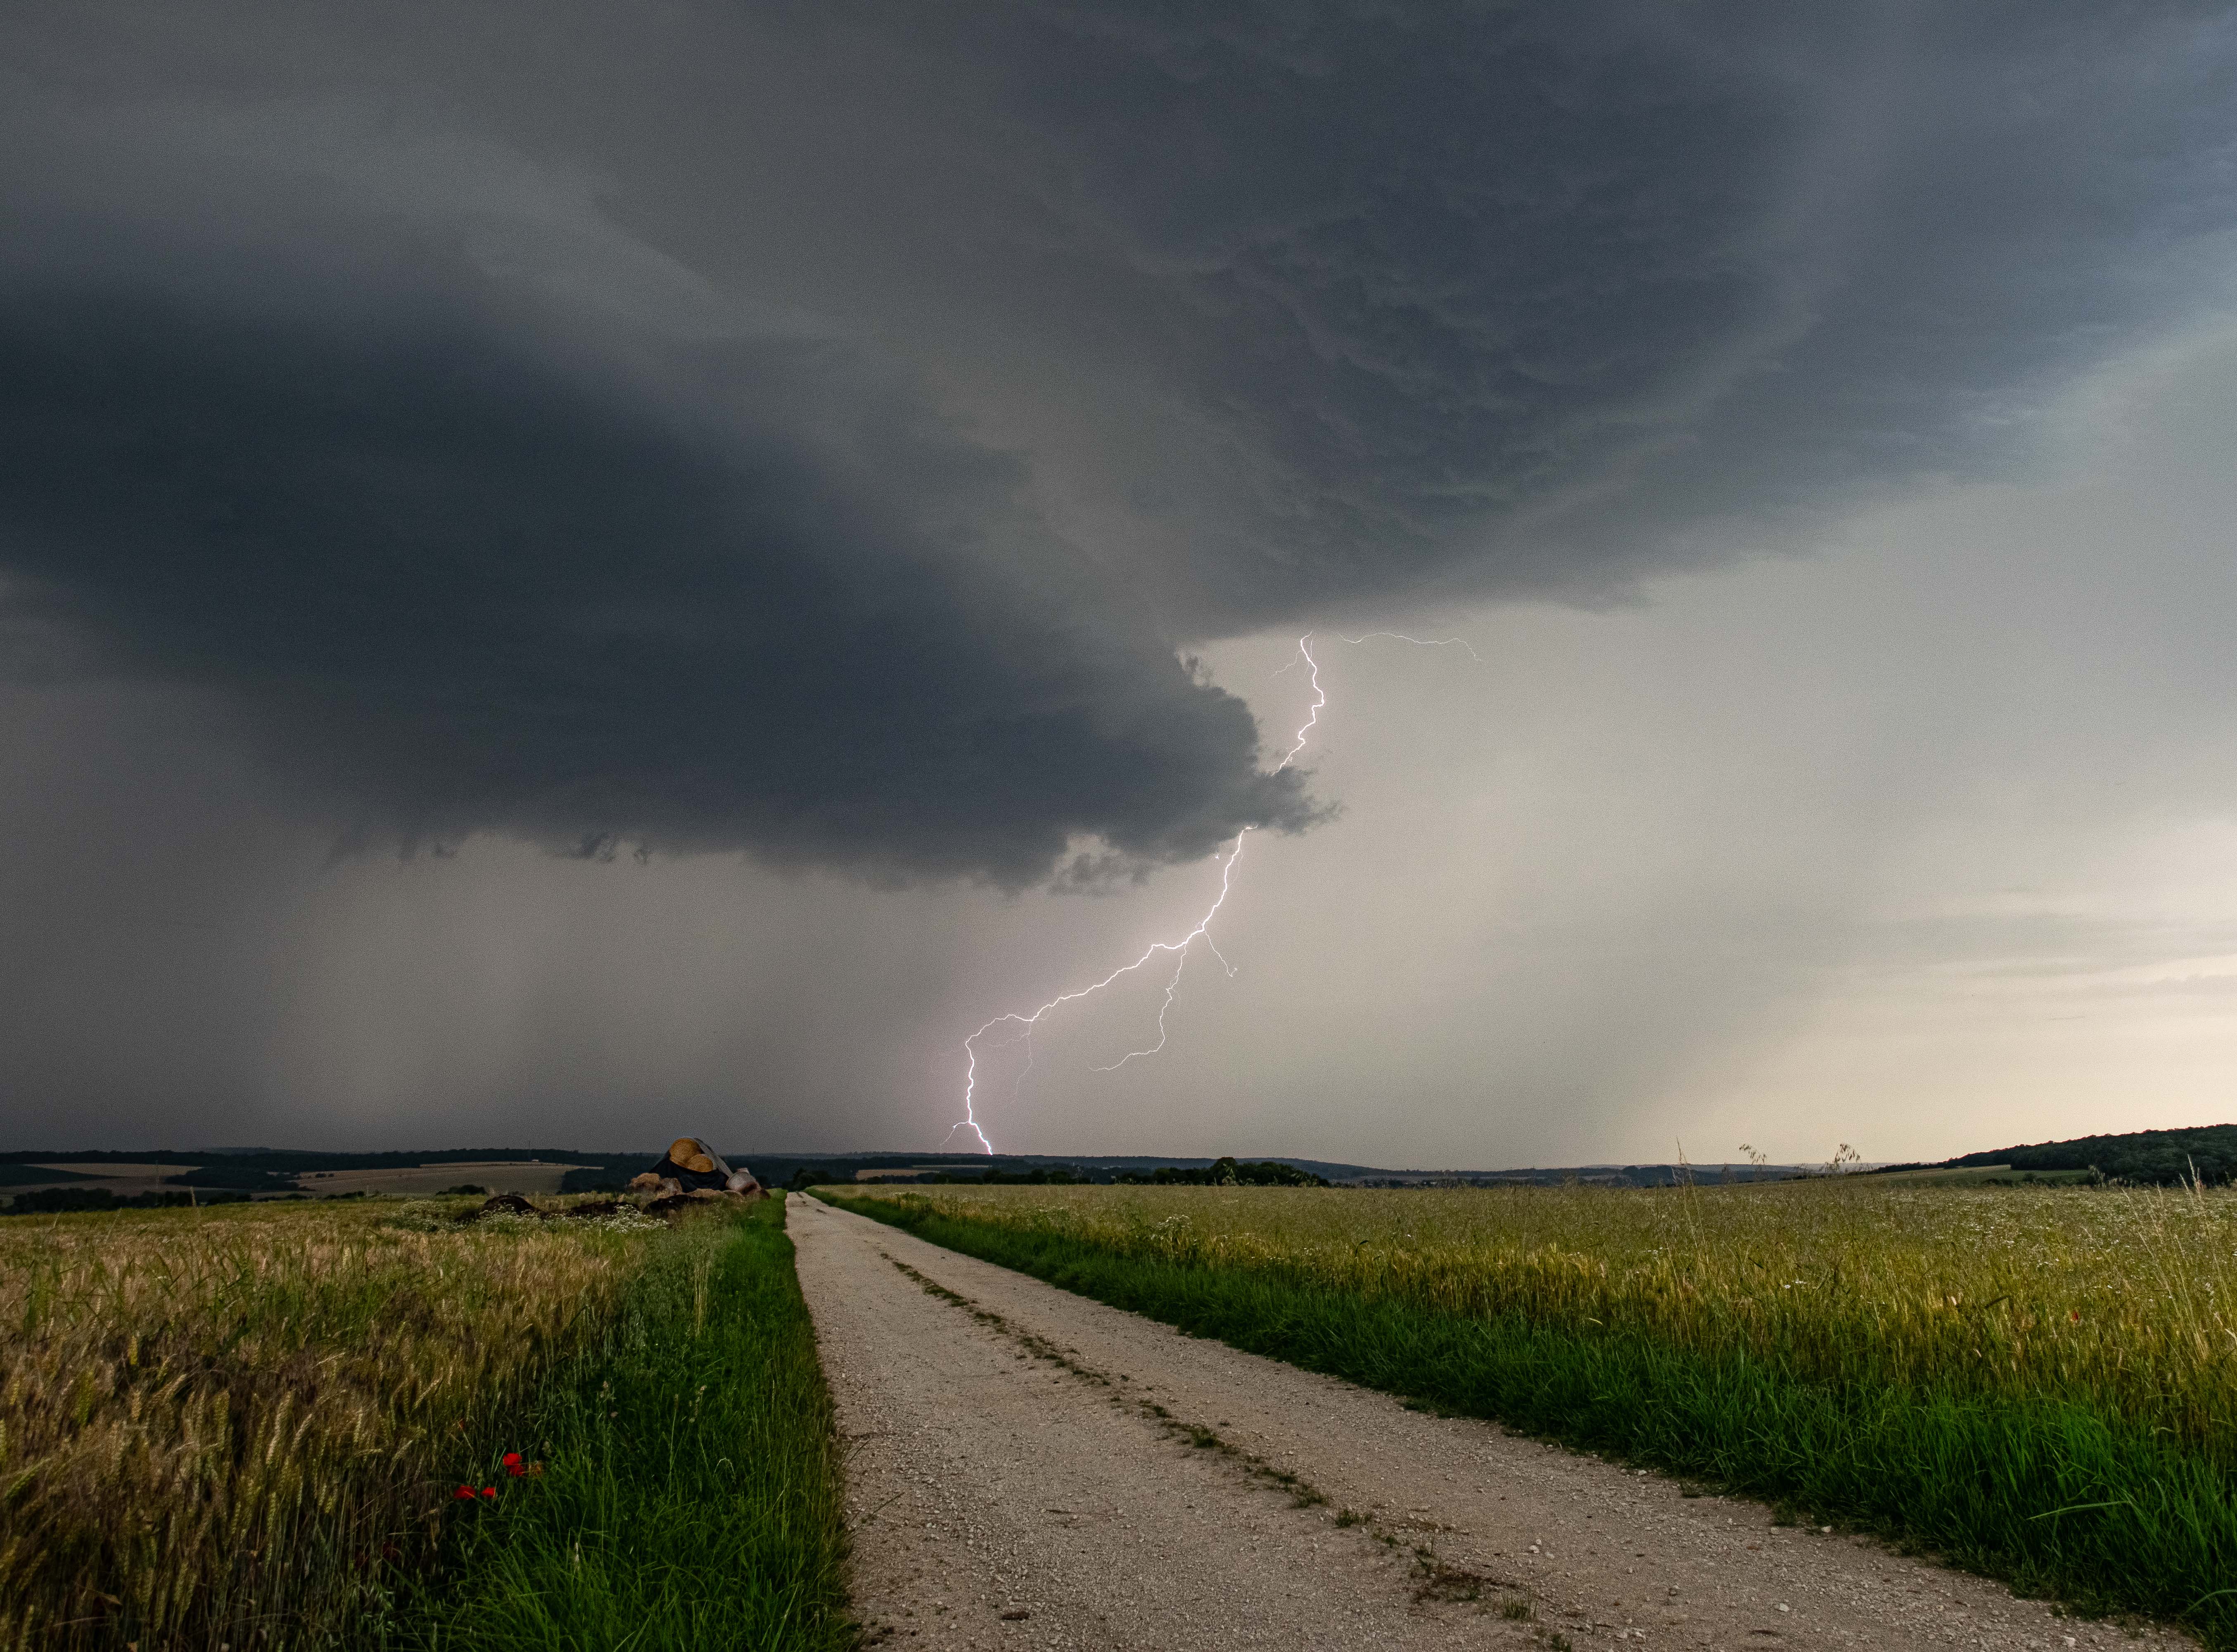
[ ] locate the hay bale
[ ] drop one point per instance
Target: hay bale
(691, 1163)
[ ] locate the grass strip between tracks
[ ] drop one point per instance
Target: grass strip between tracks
(2051, 1496)
(689, 1492)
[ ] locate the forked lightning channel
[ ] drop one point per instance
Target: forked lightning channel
(1023, 1024)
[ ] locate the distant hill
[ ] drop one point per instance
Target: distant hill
(268, 1170)
(287, 1161)
(2160, 1158)
(782, 1169)
(14, 1175)
(793, 1169)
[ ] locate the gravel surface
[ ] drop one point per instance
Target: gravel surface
(1028, 1467)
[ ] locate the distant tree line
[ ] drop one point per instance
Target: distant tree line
(246, 1179)
(48, 1201)
(1225, 1172)
(1039, 1176)
(289, 1161)
(2140, 1158)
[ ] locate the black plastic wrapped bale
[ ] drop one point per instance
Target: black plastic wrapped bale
(502, 1204)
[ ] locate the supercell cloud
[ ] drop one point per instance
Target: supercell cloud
(824, 431)
(460, 578)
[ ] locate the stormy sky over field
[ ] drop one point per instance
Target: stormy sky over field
(585, 573)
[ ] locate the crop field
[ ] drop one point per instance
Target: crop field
(692, 1497)
(2036, 1382)
(285, 1424)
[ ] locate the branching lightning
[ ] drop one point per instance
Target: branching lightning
(1418, 642)
(1179, 950)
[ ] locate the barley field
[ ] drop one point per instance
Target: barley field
(2037, 1383)
(692, 1495)
(239, 1426)
(2125, 1296)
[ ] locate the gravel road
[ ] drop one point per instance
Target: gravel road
(1026, 1468)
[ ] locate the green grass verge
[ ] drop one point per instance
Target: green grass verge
(2050, 1496)
(689, 1494)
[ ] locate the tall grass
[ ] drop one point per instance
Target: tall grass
(690, 1492)
(2039, 1385)
(235, 1427)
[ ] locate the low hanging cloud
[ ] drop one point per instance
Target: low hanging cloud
(462, 579)
(821, 431)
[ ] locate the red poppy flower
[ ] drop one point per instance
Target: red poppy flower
(489, 1492)
(512, 1464)
(464, 1494)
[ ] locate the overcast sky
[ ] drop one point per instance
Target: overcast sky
(580, 574)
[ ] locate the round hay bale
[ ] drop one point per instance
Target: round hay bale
(692, 1164)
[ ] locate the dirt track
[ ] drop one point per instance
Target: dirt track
(1030, 1469)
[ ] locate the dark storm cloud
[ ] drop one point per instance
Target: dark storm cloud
(466, 579)
(1515, 298)
(1128, 325)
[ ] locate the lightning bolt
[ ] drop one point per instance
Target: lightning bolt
(1418, 642)
(1178, 950)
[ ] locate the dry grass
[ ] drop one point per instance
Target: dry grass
(231, 1426)
(2123, 1299)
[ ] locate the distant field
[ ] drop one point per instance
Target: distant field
(2038, 1383)
(36, 1176)
(123, 1179)
(1987, 1176)
(499, 1176)
(128, 1180)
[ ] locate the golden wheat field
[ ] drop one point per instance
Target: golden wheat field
(2126, 1297)
(213, 1421)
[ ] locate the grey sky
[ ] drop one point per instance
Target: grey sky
(877, 467)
